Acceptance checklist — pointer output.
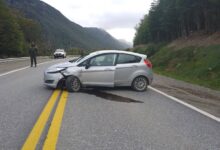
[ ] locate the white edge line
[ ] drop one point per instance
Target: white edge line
(16, 70)
(186, 104)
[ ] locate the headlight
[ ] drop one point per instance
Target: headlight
(57, 70)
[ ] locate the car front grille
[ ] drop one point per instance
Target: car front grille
(49, 81)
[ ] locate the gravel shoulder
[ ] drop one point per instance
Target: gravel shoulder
(200, 97)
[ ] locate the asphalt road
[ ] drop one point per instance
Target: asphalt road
(100, 119)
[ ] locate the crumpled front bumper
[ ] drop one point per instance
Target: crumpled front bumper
(52, 79)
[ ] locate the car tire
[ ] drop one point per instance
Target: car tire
(73, 84)
(140, 84)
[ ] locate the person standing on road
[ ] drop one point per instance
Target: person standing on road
(33, 54)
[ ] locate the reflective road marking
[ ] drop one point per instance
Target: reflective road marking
(52, 136)
(20, 69)
(186, 104)
(35, 134)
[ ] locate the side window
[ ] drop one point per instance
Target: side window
(103, 60)
(126, 58)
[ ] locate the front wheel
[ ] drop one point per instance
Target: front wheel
(73, 84)
(140, 83)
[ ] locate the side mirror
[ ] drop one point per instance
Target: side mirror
(87, 66)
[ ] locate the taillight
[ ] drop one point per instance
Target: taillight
(148, 63)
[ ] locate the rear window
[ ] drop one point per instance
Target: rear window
(126, 58)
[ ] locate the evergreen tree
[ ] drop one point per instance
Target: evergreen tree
(170, 19)
(11, 38)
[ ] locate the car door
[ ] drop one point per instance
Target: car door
(101, 70)
(126, 65)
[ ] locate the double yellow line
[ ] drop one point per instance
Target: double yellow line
(53, 133)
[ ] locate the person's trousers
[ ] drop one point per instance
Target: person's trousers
(33, 59)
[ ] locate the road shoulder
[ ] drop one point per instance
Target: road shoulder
(203, 98)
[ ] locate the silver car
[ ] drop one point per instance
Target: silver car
(59, 53)
(107, 68)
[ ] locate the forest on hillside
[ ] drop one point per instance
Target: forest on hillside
(16, 32)
(24, 21)
(170, 19)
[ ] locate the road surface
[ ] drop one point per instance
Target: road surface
(96, 119)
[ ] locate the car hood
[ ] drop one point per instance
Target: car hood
(61, 65)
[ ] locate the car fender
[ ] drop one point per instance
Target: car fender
(72, 71)
(139, 73)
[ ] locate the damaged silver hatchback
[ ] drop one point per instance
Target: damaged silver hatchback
(106, 68)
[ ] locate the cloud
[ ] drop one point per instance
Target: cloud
(126, 34)
(114, 20)
(110, 15)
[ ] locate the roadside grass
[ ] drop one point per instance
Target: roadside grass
(198, 65)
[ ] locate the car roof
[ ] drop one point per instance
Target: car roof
(117, 51)
(110, 51)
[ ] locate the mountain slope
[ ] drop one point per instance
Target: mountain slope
(101, 34)
(58, 31)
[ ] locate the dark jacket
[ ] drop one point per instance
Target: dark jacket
(33, 51)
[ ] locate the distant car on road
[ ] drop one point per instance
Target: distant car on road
(59, 53)
(108, 68)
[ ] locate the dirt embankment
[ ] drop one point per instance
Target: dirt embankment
(196, 39)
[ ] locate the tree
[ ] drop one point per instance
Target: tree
(30, 29)
(11, 38)
(142, 32)
(170, 19)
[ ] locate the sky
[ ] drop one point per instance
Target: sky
(117, 17)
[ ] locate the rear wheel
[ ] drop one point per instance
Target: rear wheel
(73, 84)
(140, 83)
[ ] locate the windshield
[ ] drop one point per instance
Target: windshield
(60, 50)
(77, 59)
(80, 58)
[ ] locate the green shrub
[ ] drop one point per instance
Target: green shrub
(200, 65)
